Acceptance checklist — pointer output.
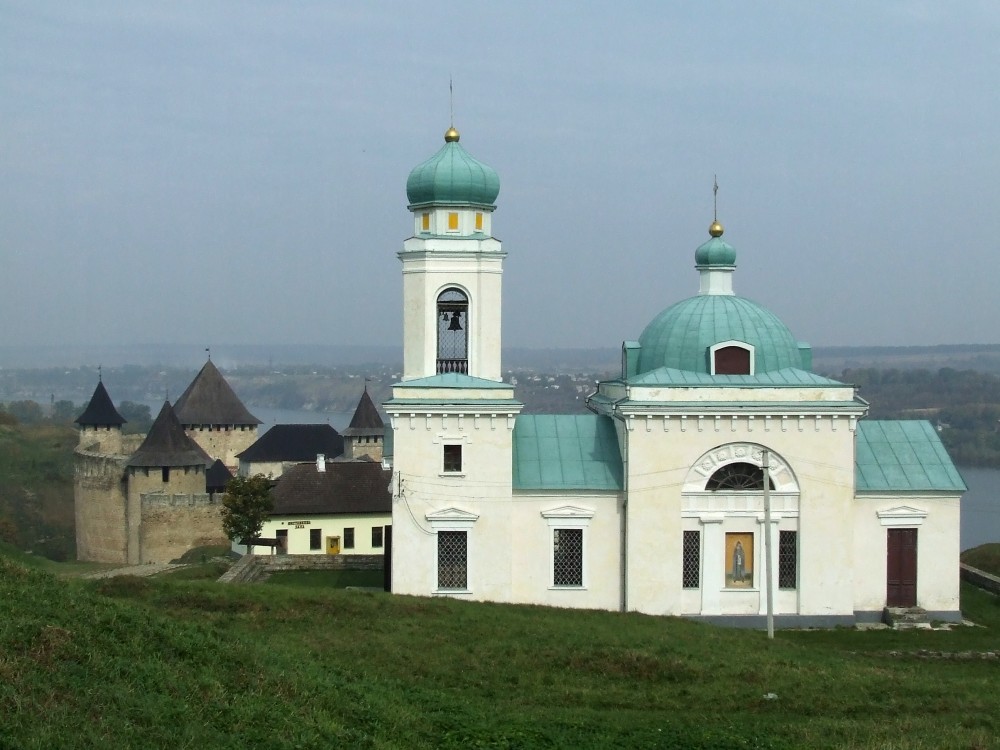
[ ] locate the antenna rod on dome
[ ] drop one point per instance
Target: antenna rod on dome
(715, 198)
(208, 349)
(451, 102)
(100, 376)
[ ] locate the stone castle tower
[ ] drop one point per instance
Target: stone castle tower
(366, 433)
(140, 500)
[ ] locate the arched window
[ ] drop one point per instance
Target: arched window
(453, 331)
(738, 476)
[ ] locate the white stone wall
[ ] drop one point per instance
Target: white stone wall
(429, 267)
(821, 460)
(937, 520)
(482, 489)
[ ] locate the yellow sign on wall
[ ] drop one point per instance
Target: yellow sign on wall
(333, 545)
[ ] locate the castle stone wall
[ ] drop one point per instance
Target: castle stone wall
(99, 505)
(223, 441)
(142, 481)
(173, 523)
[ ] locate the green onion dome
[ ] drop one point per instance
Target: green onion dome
(715, 252)
(452, 177)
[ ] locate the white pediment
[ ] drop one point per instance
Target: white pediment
(451, 519)
(568, 511)
(901, 515)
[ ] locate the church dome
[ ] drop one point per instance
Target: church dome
(452, 177)
(681, 336)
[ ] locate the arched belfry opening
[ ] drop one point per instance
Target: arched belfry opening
(453, 331)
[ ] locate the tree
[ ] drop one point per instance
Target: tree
(245, 507)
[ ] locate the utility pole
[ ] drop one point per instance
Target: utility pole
(768, 573)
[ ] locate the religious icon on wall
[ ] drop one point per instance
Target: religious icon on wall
(739, 560)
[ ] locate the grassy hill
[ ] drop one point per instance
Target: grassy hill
(36, 488)
(146, 663)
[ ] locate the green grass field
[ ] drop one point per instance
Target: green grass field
(166, 663)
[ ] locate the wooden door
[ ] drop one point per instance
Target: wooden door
(901, 568)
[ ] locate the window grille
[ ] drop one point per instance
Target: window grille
(691, 571)
(787, 559)
(376, 536)
(567, 557)
(315, 538)
(452, 560)
(349, 538)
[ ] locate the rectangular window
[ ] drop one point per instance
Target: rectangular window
(425, 222)
(453, 221)
(349, 538)
(567, 557)
(453, 458)
(315, 538)
(787, 559)
(376, 536)
(479, 221)
(691, 573)
(165, 473)
(452, 560)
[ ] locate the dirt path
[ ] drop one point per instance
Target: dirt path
(150, 569)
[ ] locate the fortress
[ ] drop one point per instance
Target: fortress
(150, 499)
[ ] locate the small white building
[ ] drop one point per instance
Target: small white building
(655, 501)
(330, 508)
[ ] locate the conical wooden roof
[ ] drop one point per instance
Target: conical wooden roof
(168, 445)
(211, 400)
(366, 419)
(100, 412)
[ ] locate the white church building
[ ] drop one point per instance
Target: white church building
(655, 501)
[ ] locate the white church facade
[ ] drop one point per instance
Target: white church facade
(655, 500)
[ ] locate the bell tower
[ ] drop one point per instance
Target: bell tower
(452, 268)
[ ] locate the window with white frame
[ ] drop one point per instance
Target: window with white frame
(452, 560)
(567, 557)
(451, 528)
(452, 463)
(568, 562)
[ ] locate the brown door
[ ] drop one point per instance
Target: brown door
(901, 568)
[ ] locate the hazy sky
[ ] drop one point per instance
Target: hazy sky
(234, 172)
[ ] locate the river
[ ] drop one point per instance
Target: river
(980, 506)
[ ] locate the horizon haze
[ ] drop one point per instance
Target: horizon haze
(228, 173)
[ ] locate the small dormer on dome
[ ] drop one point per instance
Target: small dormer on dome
(452, 178)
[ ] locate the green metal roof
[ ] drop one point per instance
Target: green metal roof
(452, 177)
(680, 336)
(790, 377)
(903, 456)
(566, 452)
(715, 252)
(453, 380)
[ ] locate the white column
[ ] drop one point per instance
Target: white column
(713, 566)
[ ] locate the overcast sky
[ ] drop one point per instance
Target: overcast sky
(213, 173)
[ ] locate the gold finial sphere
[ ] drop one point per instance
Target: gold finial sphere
(451, 135)
(716, 229)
